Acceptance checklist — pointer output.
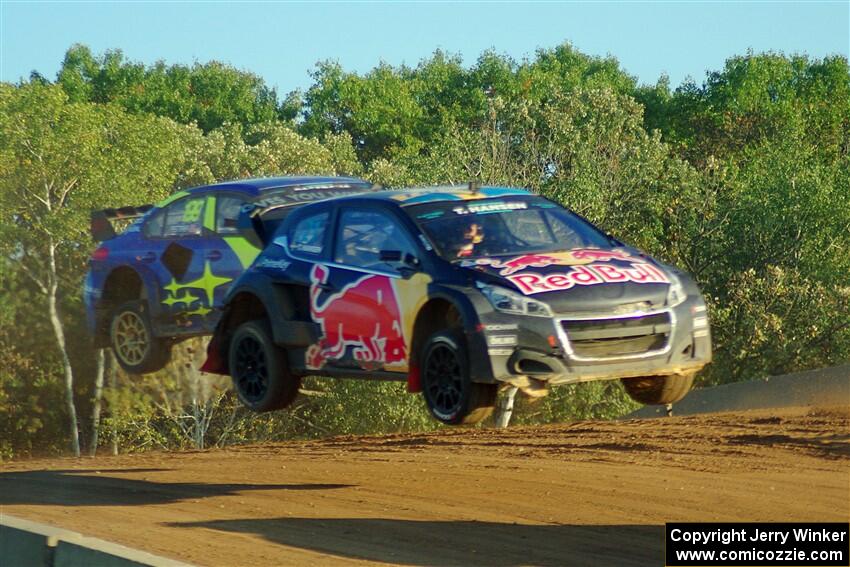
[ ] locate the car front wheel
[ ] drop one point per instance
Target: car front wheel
(131, 336)
(452, 397)
(656, 390)
(260, 369)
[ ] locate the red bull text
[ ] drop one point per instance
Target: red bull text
(591, 274)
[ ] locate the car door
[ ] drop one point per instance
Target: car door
(186, 258)
(229, 252)
(365, 297)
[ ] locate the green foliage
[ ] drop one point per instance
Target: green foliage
(397, 113)
(776, 321)
(208, 95)
(29, 390)
(594, 400)
(357, 407)
(266, 149)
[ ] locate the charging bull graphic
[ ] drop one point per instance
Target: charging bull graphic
(364, 315)
(541, 260)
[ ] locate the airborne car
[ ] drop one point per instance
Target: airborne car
(456, 290)
(164, 277)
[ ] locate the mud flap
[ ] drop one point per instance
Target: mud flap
(214, 364)
(414, 380)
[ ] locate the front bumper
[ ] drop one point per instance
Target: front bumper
(521, 347)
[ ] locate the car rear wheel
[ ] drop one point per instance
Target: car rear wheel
(655, 390)
(451, 395)
(131, 336)
(260, 369)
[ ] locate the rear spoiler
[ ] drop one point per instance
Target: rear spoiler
(101, 221)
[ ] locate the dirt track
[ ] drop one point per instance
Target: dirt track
(585, 493)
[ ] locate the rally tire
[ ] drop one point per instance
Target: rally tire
(131, 337)
(450, 394)
(260, 369)
(657, 390)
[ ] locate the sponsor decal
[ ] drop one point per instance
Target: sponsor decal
(501, 340)
(192, 210)
(500, 351)
(590, 274)
(572, 258)
(177, 293)
(507, 327)
(484, 208)
(364, 316)
(281, 265)
(310, 193)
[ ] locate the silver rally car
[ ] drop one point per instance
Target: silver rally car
(460, 291)
(561, 302)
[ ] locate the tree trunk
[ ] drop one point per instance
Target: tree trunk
(112, 373)
(98, 394)
(59, 332)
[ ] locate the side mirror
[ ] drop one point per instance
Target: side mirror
(409, 262)
(390, 256)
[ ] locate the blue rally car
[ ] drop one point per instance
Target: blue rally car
(163, 279)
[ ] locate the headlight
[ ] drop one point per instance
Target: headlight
(676, 293)
(507, 301)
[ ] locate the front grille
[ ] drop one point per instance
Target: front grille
(617, 337)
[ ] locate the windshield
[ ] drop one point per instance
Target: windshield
(511, 225)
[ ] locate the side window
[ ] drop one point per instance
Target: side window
(364, 234)
(308, 234)
(153, 226)
(227, 214)
(185, 217)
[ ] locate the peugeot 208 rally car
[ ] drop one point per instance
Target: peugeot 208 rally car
(457, 290)
(164, 277)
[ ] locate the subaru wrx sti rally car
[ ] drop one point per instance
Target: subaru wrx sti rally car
(457, 290)
(164, 278)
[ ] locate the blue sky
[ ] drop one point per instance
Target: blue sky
(282, 41)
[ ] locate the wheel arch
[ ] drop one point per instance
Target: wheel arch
(123, 283)
(270, 301)
(436, 314)
(442, 310)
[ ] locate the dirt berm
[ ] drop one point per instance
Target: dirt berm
(583, 493)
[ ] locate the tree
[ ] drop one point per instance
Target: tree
(208, 94)
(58, 161)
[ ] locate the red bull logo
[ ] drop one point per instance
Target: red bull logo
(364, 317)
(591, 274)
(571, 258)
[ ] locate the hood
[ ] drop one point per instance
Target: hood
(582, 279)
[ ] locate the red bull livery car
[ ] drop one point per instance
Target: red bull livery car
(458, 291)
